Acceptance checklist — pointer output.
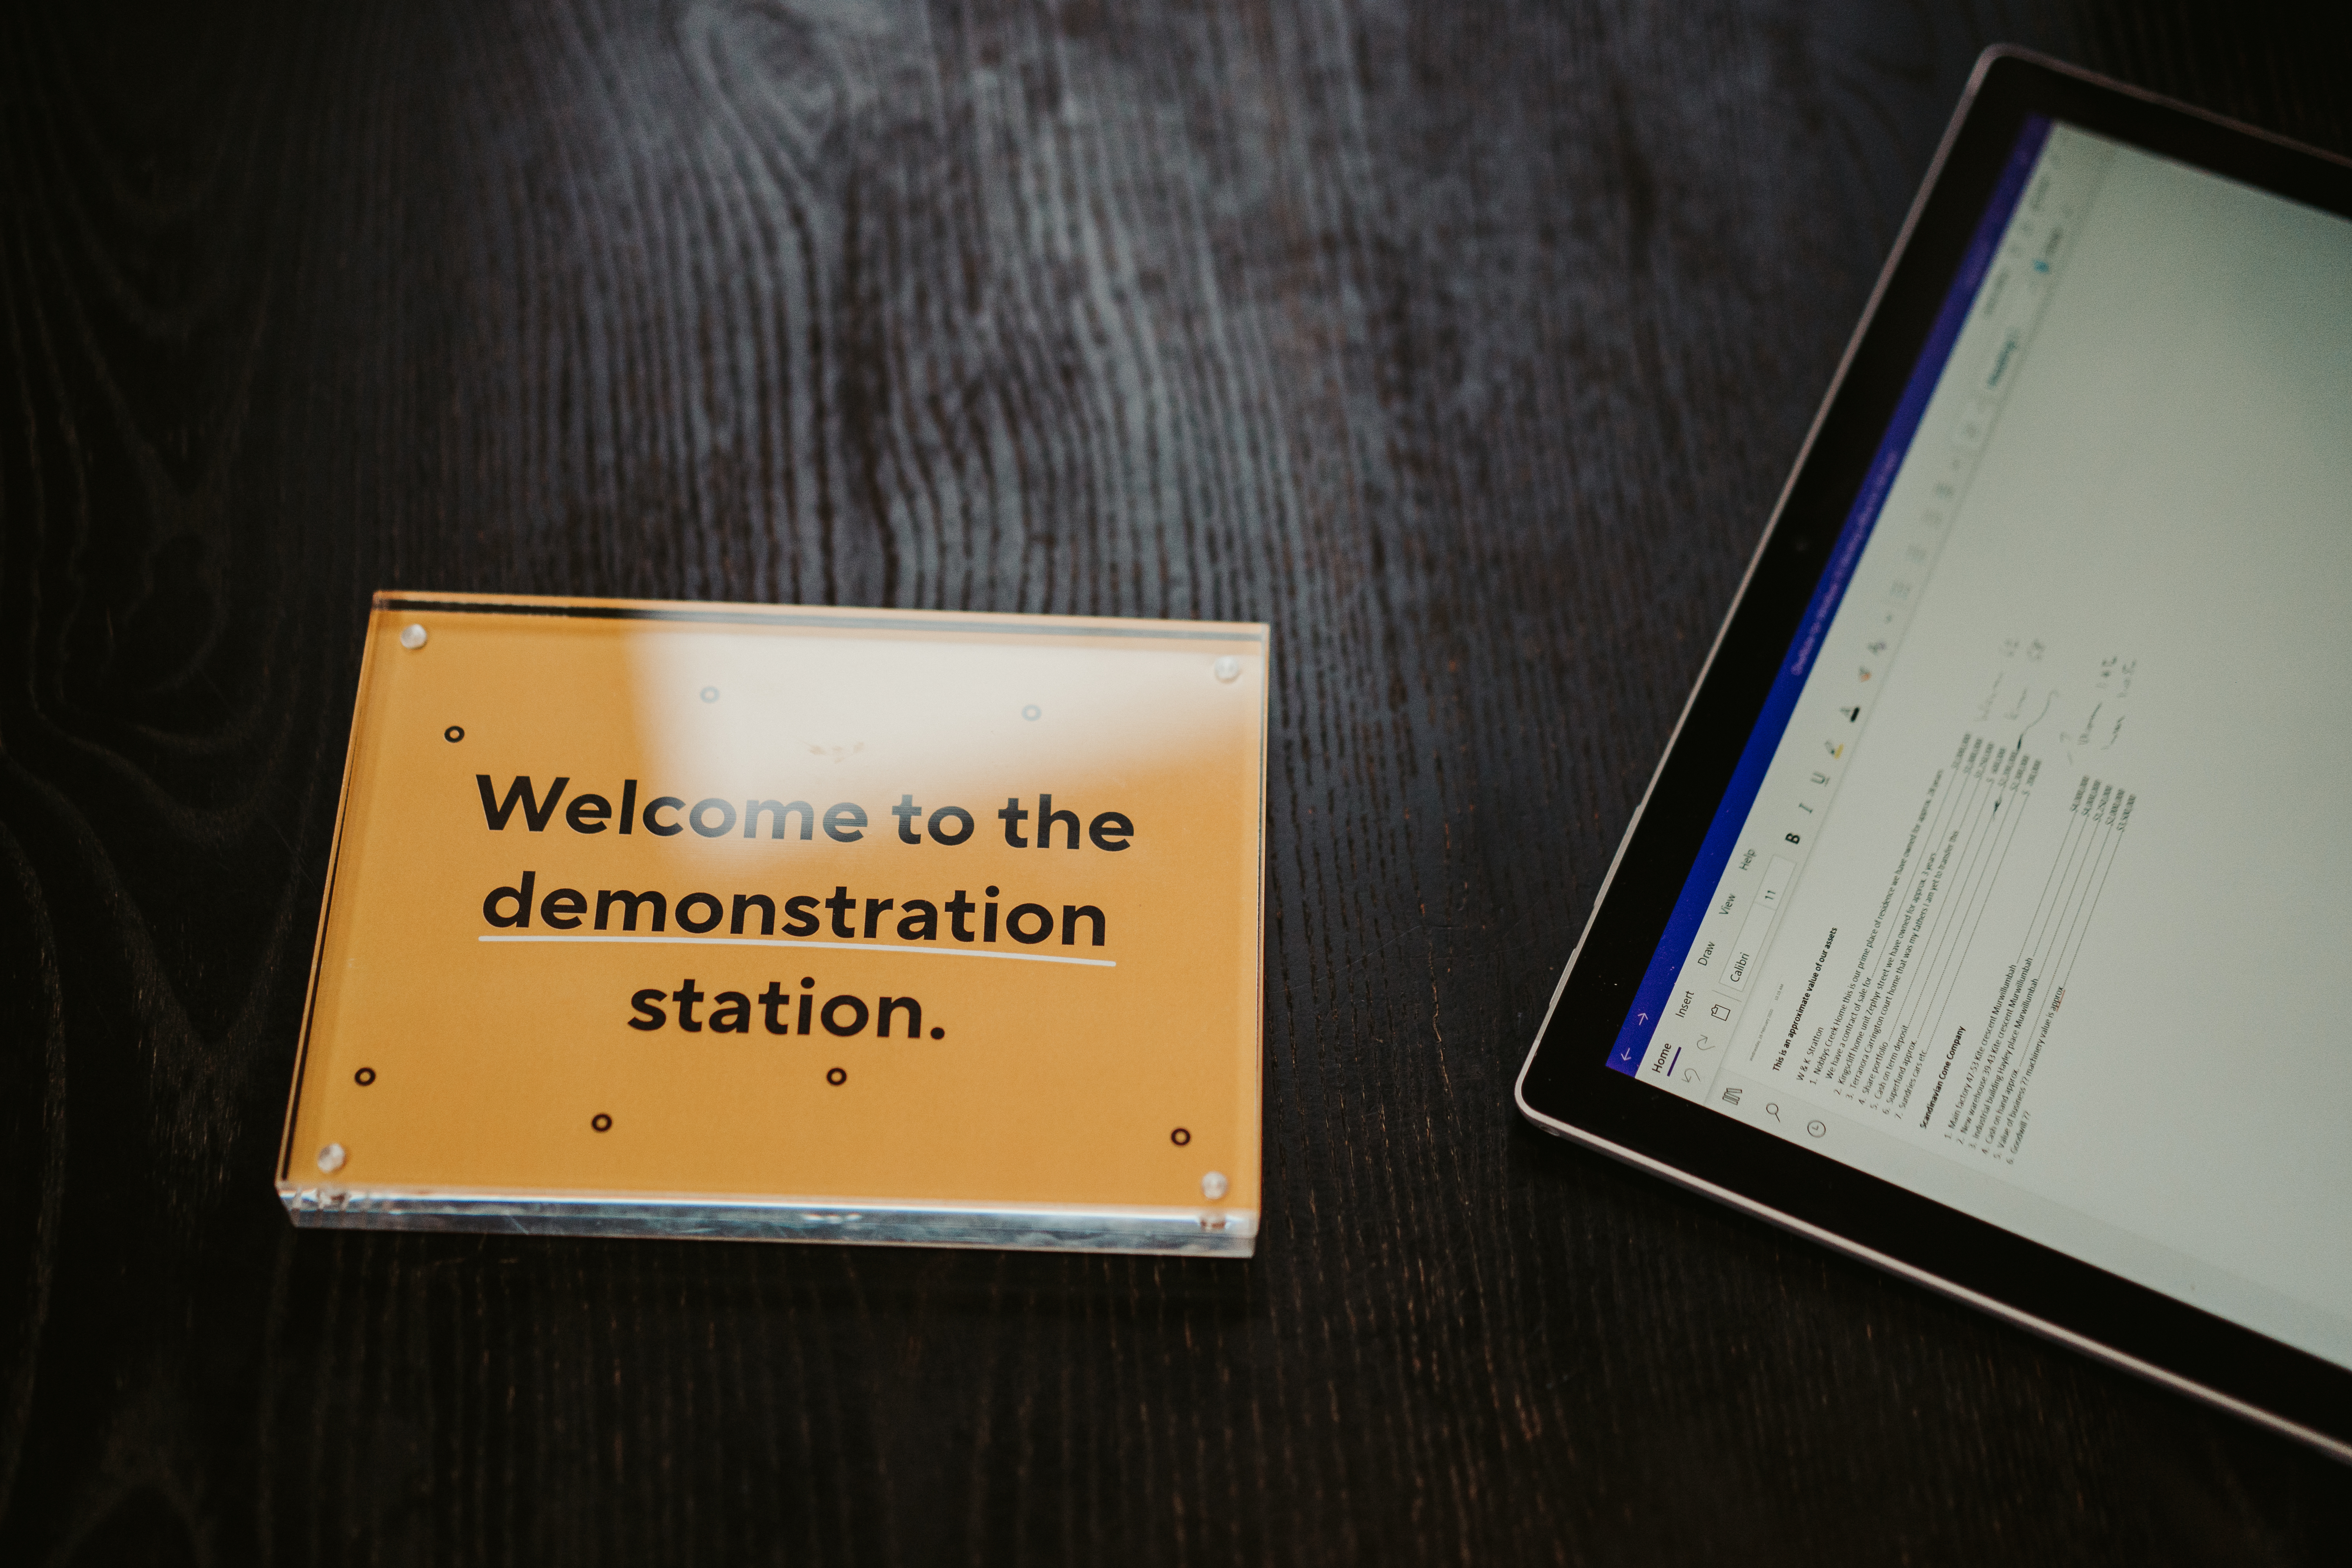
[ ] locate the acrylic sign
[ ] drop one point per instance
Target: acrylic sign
(735, 921)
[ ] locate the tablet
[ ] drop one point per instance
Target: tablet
(1990, 917)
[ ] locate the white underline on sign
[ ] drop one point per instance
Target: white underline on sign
(840, 946)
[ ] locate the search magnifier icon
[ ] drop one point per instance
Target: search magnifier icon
(1773, 1110)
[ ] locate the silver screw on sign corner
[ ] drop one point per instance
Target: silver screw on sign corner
(1212, 1185)
(1227, 668)
(412, 636)
(330, 1158)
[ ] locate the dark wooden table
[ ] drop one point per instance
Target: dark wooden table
(1467, 345)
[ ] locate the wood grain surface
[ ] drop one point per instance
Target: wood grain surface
(1466, 344)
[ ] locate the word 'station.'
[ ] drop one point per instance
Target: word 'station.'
(731, 1011)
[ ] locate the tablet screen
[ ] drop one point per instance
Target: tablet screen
(2033, 892)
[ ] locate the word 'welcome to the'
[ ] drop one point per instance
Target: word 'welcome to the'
(845, 822)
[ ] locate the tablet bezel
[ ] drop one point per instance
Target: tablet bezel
(1566, 1087)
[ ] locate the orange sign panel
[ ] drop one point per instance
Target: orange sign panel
(735, 920)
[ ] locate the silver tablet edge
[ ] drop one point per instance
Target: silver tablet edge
(2334, 1448)
(1804, 453)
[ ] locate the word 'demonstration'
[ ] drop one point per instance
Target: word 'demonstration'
(852, 919)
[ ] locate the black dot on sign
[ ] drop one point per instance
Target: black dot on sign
(364, 1077)
(836, 1076)
(991, 892)
(710, 694)
(1180, 1137)
(453, 733)
(804, 979)
(938, 1034)
(601, 1122)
